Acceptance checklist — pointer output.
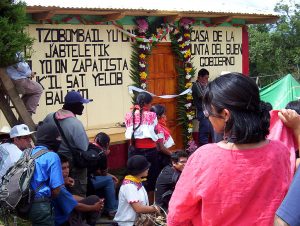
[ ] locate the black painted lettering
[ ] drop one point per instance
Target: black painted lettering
(229, 36)
(216, 49)
(125, 66)
(119, 78)
(39, 30)
(217, 61)
(233, 49)
(199, 36)
(199, 49)
(46, 66)
(217, 36)
(69, 81)
(39, 79)
(61, 66)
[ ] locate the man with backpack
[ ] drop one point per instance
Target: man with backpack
(11, 150)
(63, 130)
(32, 181)
(46, 183)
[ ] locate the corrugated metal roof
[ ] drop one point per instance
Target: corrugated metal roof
(193, 6)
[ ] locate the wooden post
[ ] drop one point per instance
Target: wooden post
(7, 112)
(9, 89)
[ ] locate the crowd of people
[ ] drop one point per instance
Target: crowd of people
(241, 174)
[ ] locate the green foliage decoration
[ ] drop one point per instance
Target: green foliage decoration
(13, 37)
(180, 41)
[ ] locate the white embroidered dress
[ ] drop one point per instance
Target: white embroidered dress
(147, 127)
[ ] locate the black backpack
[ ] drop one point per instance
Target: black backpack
(16, 194)
(91, 158)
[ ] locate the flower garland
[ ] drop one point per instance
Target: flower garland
(141, 50)
(144, 49)
(182, 48)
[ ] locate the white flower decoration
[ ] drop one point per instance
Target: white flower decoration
(188, 105)
(142, 65)
(188, 76)
(190, 117)
(144, 85)
(190, 130)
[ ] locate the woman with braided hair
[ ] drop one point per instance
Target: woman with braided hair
(242, 179)
(140, 129)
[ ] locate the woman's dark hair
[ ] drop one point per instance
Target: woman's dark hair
(294, 105)
(142, 99)
(249, 118)
(158, 109)
(103, 140)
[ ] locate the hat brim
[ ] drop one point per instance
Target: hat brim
(85, 101)
(24, 134)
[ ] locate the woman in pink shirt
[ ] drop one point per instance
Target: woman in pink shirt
(241, 180)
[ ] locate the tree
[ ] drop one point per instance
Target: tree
(13, 37)
(275, 49)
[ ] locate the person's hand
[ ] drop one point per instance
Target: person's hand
(107, 151)
(291, 119)
(69, 181)
(33, 74)
(98, 206)
(157, 208)
(297, 163)
(115, 179)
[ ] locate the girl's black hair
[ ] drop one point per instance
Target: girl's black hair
(294, 105)
(142, 99)
(158, 109)
(103, 140)
(249, 117)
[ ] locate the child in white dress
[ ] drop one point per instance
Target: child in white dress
(133, 198)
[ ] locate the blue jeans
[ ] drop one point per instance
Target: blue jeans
(107, 184)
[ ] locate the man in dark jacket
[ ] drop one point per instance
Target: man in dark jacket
(198, 90)
(168, 178)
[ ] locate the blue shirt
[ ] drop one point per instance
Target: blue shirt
(19, 71)
(63, 205)
(48, 170)
(289, 208)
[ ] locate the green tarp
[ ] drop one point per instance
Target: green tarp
(281, 92)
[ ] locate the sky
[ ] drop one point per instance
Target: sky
(260, 4)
